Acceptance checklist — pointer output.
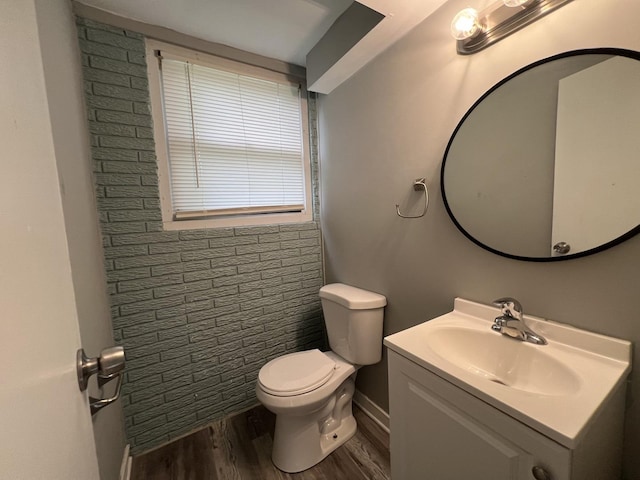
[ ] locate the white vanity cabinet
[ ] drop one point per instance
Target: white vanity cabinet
(441, 432)
(468, 403)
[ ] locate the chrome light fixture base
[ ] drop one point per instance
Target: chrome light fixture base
(499, 20)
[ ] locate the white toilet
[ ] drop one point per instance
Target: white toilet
(310, 392)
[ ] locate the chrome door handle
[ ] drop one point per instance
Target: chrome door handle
(561, 248)
(109, 365)
(540, 473)
(111, 362)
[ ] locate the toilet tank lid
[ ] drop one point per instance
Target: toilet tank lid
(352, 297)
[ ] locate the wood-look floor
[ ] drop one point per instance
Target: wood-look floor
(239, 448)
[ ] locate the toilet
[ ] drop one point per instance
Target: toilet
(311, 392)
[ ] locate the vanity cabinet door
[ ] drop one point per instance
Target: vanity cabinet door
(441, 442)
(437, 435)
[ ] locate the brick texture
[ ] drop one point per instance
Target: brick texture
(198, 311)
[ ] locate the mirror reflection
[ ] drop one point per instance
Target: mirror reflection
(545, 165)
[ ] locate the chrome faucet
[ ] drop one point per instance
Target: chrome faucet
(511, 323)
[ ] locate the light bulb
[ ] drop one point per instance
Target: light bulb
(465, 24)
(516, 3)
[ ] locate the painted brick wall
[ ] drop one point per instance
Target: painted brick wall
(198, 311)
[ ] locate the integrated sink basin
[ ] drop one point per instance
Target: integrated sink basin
(501, 360)
(555, 388)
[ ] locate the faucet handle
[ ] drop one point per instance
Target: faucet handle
(510, 306)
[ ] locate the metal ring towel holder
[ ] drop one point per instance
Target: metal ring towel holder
(420, 183)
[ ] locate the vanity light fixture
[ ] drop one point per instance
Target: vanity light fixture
(465, 24)
(477, 30)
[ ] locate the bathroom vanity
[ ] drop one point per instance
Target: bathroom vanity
(467, 402)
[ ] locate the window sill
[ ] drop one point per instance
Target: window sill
(238, 221)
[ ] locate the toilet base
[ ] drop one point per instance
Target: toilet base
(300, 442)
(294, 454)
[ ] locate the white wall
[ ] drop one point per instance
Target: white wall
(45, 425)
(391, 123)
(61, 62)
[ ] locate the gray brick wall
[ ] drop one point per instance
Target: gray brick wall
(198, 311)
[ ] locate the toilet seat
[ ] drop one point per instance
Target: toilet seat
(296, 373)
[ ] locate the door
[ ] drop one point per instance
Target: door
(45, 424)
(596, 167)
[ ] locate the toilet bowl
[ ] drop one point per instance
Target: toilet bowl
(311, 392)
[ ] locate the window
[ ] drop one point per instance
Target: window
(231, 139)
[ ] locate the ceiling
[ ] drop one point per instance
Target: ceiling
(281, 29)
(285, 30)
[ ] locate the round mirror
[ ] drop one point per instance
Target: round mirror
(545, 165)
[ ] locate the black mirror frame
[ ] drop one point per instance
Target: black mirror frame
(591, 51)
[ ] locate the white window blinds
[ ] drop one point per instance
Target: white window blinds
(234, 142)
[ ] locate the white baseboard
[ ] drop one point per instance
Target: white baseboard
(372, 410)
(125, 466)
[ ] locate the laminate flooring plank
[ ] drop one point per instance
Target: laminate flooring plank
(378, 438)
(239, 448)
(367, 449)
(188, 458)
(372, 465)
(325, 470)
(243, 433)
(345, 467)
(226, 461)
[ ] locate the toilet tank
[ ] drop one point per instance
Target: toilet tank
(353, 318)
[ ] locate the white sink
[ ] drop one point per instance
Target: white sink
(555, 388)
(502, 360)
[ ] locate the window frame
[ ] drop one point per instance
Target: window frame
(162, 152)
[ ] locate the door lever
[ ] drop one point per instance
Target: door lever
(97, 404)
(109, 365)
